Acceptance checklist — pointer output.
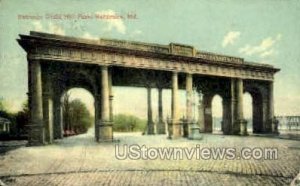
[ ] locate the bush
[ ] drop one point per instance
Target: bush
(128, 123)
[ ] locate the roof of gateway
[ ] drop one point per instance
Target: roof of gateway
(171, 49)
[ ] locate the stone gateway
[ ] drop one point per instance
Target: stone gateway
(58, 63)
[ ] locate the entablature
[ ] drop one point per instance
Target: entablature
(175, 57)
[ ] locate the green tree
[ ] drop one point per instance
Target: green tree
(1, 105)
(11, 117)
(66, 111)
(79, 118)
(22, 119)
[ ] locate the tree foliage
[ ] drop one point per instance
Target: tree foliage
(77, 118)
(18, 120)
(22, 118)
(1, 105)
(128, 123)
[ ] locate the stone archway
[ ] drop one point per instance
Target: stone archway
(77, 95)
(58, 79)
(56, 63)
(208, 112)
(257, 109)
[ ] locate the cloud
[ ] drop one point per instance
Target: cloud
(267, 53)
(56, 29)
(230, 38)
(113, 23)
(136, 32)
(37, 26)
(50, 28)
(264, 49)
(87, 35)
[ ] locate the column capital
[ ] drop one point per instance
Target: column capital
(46, 94)
(31, 59)
(104, 67)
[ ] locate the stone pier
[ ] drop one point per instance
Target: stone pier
(240, 123)
(105, 124)
(189, 103)
(150, 123)
(36, 123)
(174, 125)
(161, 125)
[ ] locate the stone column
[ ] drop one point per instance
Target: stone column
(49, 120)
(105, 125)
(240, 122)
(189, 106)
(174, 127)
(36, 126)
(272, 121)
(97, 104)
(226, 123)
(48, 108)
(235, 129)
(150, 123)
(208, 120)
(201, 121)
(257, 115)
(161, 127)
(111, 97)
(266, 128)
(57, 113)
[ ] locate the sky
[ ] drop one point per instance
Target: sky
(261, 31)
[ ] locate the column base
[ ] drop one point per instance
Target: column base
(185, 126)
(240, 127)
(150, 128)
(236, 128)
(243, 125)
(161, 127)
(226, 128)
(105, 131)
(201, 127)
(194, 132)
(274, 123)
(174, 129)
(36, 136)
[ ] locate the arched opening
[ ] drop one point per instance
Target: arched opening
(217, 114)
(130, 105)
(130, 109)
(78, 112)
(248, 111)
(253, 109)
